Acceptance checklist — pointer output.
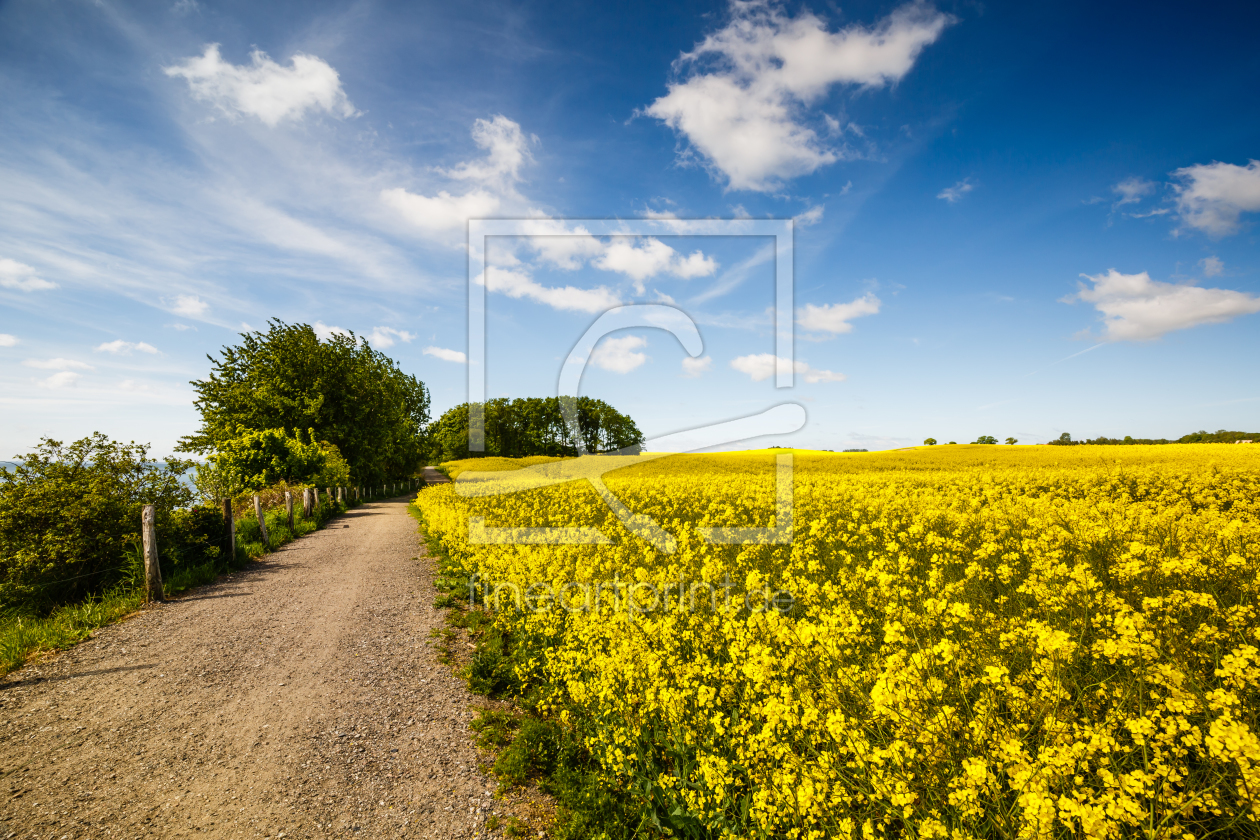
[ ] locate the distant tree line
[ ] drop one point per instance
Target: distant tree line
(535, 426)
(1201, 436)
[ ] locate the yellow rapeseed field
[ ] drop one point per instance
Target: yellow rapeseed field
(956, 642)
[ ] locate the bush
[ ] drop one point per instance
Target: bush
(69, 512)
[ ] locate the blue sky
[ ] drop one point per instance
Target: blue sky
(1011, 219)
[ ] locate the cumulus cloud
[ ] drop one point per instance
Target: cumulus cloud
(519, 284)
(446, 355)
(834, 318)
(124, 348)
(20, 276)
(762, 366)
(1211, 266)
(388, 336)
(952, 194)
(694, 367)
(190, 306)
(1212, 196)
(649, 257)
(7, 340)
(265, 89)
(1137, 308)
(619, 354)
(65, 379)
(494, 176)
(58, 364)
(743, 113)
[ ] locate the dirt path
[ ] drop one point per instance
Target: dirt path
(301, 697)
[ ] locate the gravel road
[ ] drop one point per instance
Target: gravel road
(301, 697)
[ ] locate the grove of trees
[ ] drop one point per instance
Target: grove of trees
(535, 426)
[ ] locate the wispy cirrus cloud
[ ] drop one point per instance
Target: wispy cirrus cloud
(58, 364)
(955, 193)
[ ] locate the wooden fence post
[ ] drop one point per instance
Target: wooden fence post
(288, 507)
(152, 571)
(229, 528)
(262, 523)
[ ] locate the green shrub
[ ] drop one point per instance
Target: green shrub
(68, 512)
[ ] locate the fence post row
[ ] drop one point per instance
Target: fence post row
(152, 571)
(288, 508)
(229, 529)
(262, 523)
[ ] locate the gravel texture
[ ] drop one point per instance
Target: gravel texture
(301, 697)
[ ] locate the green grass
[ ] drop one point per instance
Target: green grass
(25, 635)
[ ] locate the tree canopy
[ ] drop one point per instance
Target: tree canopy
(535, 426)
(346, 393)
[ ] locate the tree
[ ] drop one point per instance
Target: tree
(535, 426)
(985, 439)
(347, 393)
(1010, 441)
(254, 460)
(69, 511)
(930, 442)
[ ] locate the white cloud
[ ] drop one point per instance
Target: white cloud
(16, 275)
(135, 387)
(507, 150)
(190, 306)
(388, 336)
(643, 258)
(762, 366)
(952, 194)
(124, 348)
(1211, 266)
(181, 327)
(618, 354)
(265, 89)
(446, 355)
(693, 367)
(518, 284)
(7, 340)
(1131, 190)
(324, 332)
(1212, 196)
(835, 317)
(743, 115)
(442, 213)
(812, 216)
(495, 176)
(58, 364)
(65, 379)
(1137, 308)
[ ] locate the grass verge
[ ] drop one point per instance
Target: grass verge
(529, 746)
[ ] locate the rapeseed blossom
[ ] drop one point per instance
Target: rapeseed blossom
(1024, 642)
